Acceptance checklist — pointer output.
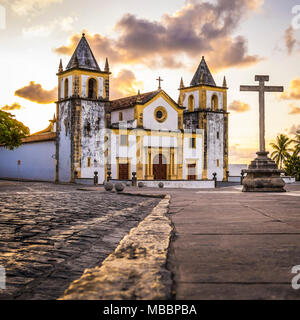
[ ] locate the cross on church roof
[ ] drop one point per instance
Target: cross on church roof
(159, 81)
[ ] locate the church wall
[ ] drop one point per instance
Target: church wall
(209, 95)
(37, 161)
(84, 84)
(149, 122)
(196, 98)
(128, 114)
(92, 140)
(193, 155)
(64, 142)
(215, 149)
(122, 154)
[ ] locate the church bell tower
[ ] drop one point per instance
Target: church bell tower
(83, 92)
(206, 108)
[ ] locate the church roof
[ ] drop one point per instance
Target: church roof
(131, 101)
(83, 57)
(203, 75)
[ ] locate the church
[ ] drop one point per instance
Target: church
(148, 136)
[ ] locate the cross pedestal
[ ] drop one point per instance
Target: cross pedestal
(263, 174)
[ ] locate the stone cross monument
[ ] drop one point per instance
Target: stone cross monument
(262, 174)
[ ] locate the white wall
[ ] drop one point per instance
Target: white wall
(196, 99)
(215, 149)
(149, 121)
(209, 95)
(128, 114)
(64, 142)
(84, 84)
(193, 155)
(37, 161)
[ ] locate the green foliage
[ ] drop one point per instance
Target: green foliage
(296, 142)
(281, 149)
(11, 131)
(292, 165)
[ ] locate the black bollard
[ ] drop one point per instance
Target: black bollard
(96, 178)
(215, 178)
(108, 176)
(134, 179)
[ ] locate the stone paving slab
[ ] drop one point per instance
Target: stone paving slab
(49, 234)
(136, 270)
(232, 245)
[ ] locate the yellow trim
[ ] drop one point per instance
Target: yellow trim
(164, 114)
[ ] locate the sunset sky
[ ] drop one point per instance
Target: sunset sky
(147, 39)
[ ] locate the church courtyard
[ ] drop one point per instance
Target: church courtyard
(49, 234)
(225, 244)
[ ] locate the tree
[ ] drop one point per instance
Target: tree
(11, 131)
(297, 142)
(281, 149)
(292, 165)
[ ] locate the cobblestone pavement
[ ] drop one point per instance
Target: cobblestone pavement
(50, 233)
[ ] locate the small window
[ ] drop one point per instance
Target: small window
(218, 135)
(66, 88)
(214, 102)
(120, 116)
(218, 163)
(89, 162)
(193, 143)
(123, 140)
(92, 89)
(191, 102)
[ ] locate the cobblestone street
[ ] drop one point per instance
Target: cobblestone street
(50, 233)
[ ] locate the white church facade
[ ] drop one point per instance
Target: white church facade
(149, 135)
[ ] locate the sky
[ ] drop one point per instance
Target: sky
(147, 39)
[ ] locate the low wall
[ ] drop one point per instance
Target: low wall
(289, 180)
(186, 184)
(234, 179)
(31, 161)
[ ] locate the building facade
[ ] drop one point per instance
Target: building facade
(147, 135)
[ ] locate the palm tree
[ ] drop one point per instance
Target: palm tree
(296, 142)
(281, 149)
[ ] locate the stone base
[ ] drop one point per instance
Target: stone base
(263, 175)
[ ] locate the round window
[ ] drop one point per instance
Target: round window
(160, 114)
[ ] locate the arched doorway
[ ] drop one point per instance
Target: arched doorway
(160, 167)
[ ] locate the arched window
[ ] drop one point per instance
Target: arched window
(214, 103)
(92, 89)
(191, 103)
(66, 88)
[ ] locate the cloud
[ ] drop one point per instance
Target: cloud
(44, 30)
(198, 28)
(290, 40)
(14, 106)
(30, 7)
(293, 92)
(239, 106)
(34, 92)
(241, 155)
(294, 129)
(294, 109)
(125, 84)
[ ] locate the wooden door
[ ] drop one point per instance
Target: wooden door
(159, 168)
(192, 171)
(123, 171)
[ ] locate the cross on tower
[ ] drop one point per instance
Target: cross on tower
(159, 81)
(261, 88)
